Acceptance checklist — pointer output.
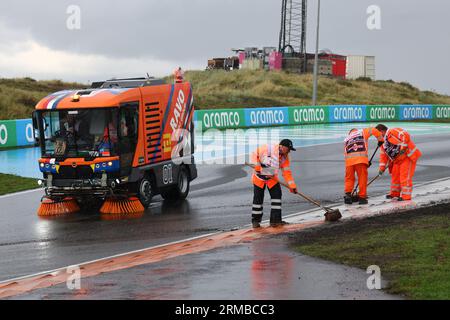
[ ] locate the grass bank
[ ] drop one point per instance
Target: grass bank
(11, 183)
(411, 249)
(258, 88)
(240, 88)
(19, 96)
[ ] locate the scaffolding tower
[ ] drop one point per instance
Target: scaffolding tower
(292, 40)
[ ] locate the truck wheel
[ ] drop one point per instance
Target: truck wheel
(145, 192)
(181, 190)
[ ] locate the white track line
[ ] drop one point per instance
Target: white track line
(108, 258)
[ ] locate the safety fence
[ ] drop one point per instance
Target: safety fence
(18, 133)
(279, 116)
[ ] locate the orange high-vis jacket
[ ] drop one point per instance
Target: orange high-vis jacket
(178, 75)
(270, 156)
(356, 146)
(397, 146)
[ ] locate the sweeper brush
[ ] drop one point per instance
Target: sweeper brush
(50, 207)
(121, 206)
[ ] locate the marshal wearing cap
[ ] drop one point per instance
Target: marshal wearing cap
(288, 143)
(267, 161)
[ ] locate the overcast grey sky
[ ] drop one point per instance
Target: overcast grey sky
(130, 38)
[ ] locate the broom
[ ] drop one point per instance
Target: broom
(330, 214)
(370, 182)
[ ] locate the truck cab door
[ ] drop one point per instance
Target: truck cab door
(128, 135)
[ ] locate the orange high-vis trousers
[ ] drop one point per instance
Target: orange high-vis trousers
(361, 170)
(402, 175)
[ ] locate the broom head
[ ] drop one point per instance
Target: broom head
(122, 206)
(50, 207)
(333, 215)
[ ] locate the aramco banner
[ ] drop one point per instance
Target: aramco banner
(19, 133)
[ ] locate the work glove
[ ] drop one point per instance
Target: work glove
(293, 190)
(380, 143)
(402, 151)
(380, 173)
(370, 164)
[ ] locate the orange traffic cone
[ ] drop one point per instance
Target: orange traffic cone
(50, 207)
(121, 206)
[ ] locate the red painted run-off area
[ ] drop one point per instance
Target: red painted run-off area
(146, 256)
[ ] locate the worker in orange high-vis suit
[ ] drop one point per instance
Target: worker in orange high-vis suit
(356, 148)
(268, 160)
(178, 75)
(400, 154)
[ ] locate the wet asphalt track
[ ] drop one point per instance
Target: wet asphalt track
(262, 269)
(219, 200)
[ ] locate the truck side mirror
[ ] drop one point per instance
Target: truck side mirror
(35, 126)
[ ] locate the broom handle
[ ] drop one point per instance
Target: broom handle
(371, 181)
(375, 178)
(298, 192)
(304, 196)
(370, 161)
(378, 175)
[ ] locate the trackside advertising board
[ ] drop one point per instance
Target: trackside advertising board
(24, 132)
(308, 115)
(18, 133)
(266, 117)
(347, 113)
(221, 118)
(279, 116)
(382, 113)
(441, 112)
(416, 112)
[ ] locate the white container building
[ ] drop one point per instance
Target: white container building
(360, 66)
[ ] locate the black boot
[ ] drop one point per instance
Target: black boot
(256, 221)
(275, 218)
(278, 224)
(363, 201)
(348, 198)
(388, 196)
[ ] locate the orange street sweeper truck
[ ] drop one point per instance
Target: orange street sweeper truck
(116, 144)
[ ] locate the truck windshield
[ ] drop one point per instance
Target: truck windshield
(79, 133)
